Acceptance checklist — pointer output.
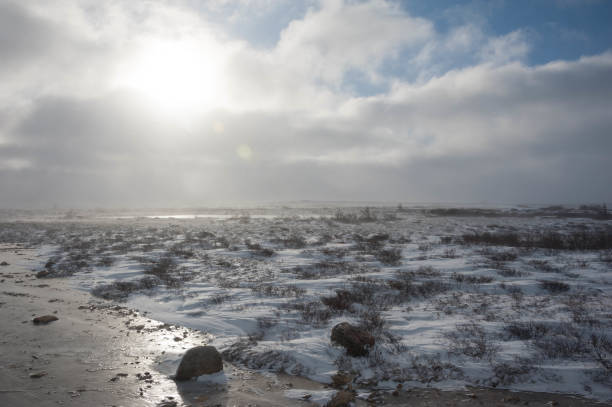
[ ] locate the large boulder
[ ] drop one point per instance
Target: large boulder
(198, 361)
(356, 341)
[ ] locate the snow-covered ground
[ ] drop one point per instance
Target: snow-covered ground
(506, 298)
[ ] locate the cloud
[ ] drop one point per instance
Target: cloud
(473, 123)
(506, 48)
(339, 36)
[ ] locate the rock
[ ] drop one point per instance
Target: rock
(341, 399)
(45, 319)
(42, 274)
(4, 264)
(198, 361)
(356, 341)
(38, 375)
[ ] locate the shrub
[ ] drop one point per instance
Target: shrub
(495, 239)
(294, 241)
(313, 313)
(390, 257)
(219, 298)
(468, 279)
(365, 215)
(341, 301)
(424, 289)
(502, 256)
(258, 249)
(527, 330)
(266, 322)
(601, 349)
(271, 290)
(471, 340)
(577, 240)
(450, 253)
(372, 321)
(120, 290)
(562, 345)
(431, 369)
(327, 269)
(510, 373)
(544, 266)
(554, 287)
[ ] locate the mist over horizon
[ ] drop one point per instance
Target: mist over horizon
(189, 104)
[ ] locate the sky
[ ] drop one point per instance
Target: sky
(194, 103)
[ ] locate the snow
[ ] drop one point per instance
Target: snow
(222, 297)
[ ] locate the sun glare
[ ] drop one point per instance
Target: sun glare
(177, 77)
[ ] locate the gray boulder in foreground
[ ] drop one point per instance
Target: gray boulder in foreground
(198, 361)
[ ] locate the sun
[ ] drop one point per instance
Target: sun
(178, 77)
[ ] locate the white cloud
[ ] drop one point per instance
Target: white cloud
(340, 36)
(492, 128)
(506, 48)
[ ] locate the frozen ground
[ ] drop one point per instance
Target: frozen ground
(516, 298)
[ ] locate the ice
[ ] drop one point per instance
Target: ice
(320, 397)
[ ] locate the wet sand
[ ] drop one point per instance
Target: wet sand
(101, 354)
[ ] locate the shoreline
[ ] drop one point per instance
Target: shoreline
(101, 353)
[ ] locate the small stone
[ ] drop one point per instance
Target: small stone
(4, 264)
(38, 375)
(45, 319)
